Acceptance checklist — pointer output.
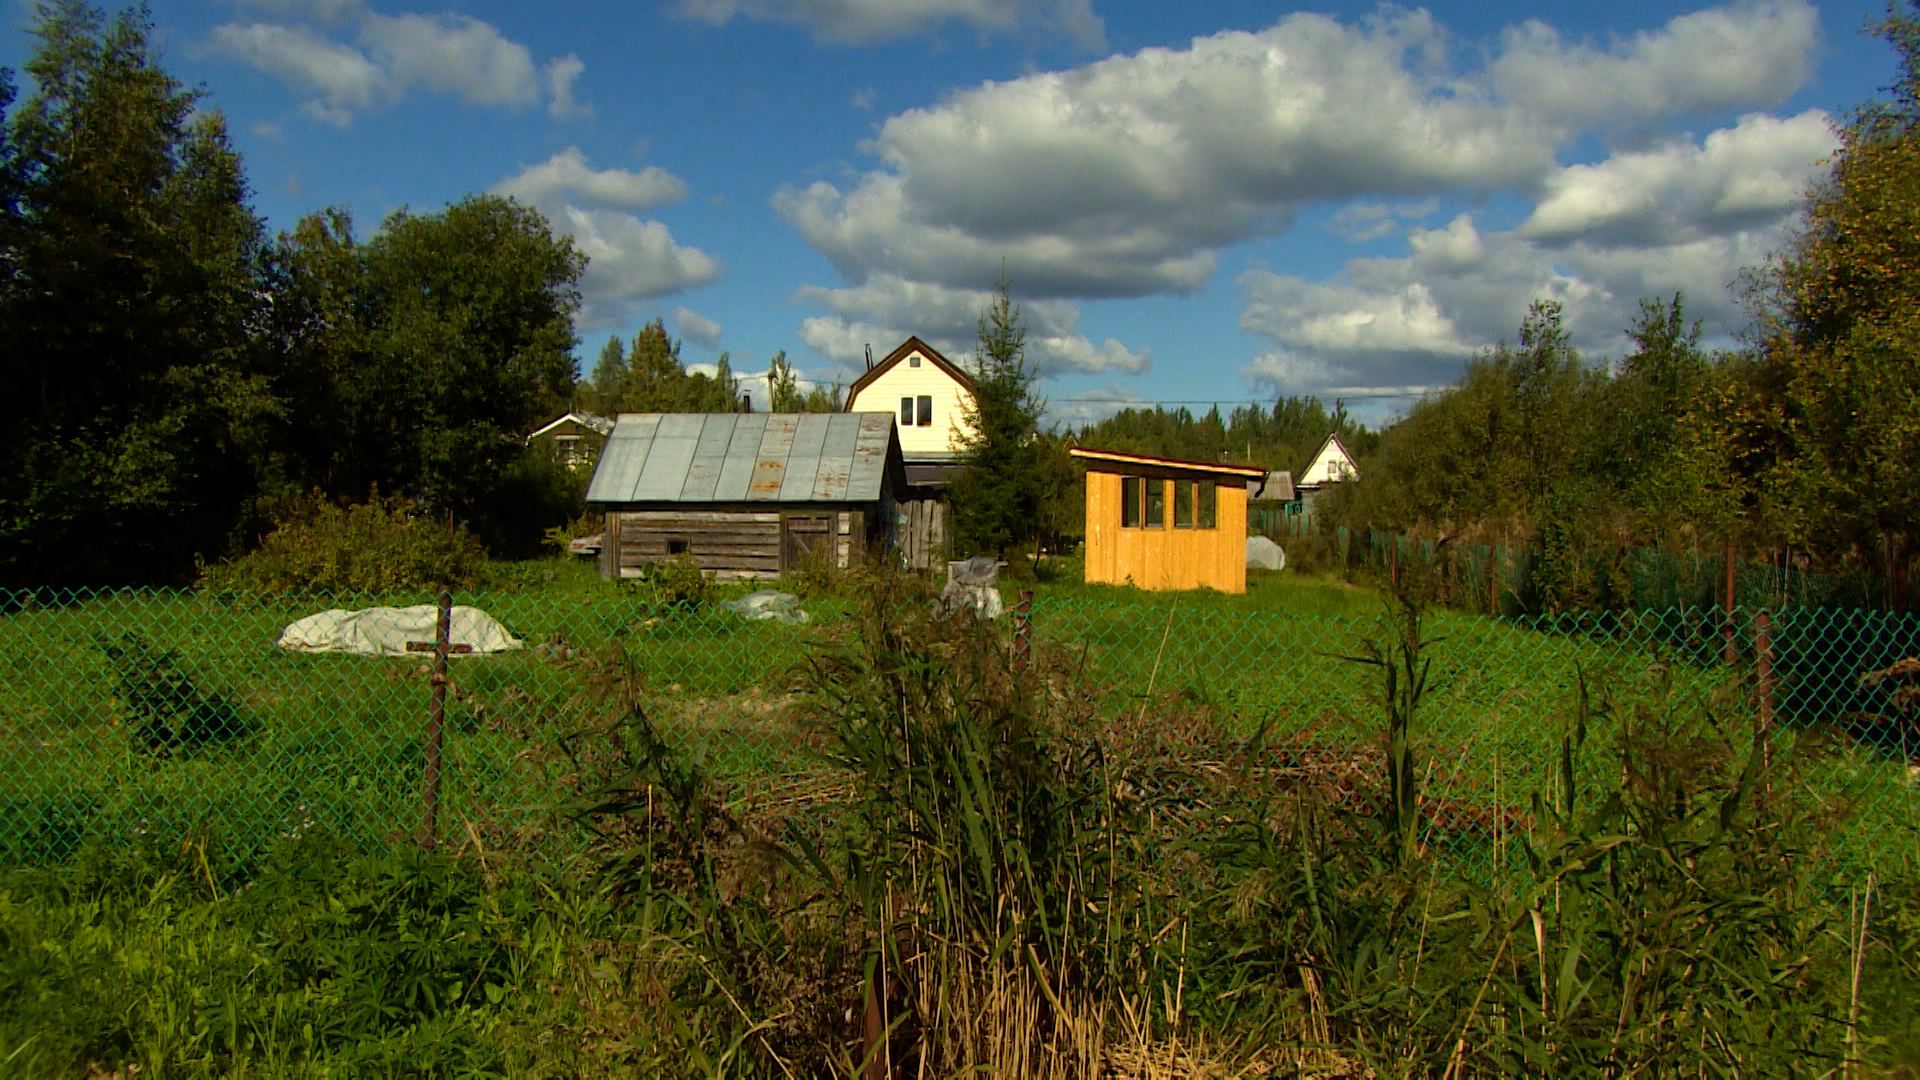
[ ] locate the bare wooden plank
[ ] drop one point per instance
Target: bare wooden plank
(704, 528)
(771, 517)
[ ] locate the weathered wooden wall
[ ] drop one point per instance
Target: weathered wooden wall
(1167, 557)
(920, 532)
(733, 545)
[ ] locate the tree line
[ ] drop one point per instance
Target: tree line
(1800, 446)
(181, 379)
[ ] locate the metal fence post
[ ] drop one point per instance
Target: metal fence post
(1023, 630)
(1763, 682)
(1733, 651)
(436, 721)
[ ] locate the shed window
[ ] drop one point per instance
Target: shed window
(1156, 504)
(1183, 504)
(906, 412)
(1130, 502)
(1204, 501)
(926, 410)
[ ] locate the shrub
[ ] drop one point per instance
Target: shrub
(376, 546)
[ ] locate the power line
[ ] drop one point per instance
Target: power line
(1129, 402)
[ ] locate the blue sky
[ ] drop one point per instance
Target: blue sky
(1207, 201)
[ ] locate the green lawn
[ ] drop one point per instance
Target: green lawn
(338, 742)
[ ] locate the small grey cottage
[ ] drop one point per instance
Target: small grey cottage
(745, 495)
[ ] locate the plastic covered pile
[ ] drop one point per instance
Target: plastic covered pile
(768, 604)
(974, 584)
(1264, 554)
(385, 631)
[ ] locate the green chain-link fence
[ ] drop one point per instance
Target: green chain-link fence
(154, 713)
(1498, 579)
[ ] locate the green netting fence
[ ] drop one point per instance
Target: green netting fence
(154, 713)
(1508, 580)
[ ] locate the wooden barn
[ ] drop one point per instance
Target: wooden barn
(1162, 523)
(746, 495)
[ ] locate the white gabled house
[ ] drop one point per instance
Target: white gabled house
(1331, 464)
(925, 390)
(927, 395)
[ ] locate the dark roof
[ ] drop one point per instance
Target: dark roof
(1277, 485)
(746, 457)
(908, 347)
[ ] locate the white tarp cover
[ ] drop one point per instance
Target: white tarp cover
(385, 631)
(1264, 554)
(768, 604)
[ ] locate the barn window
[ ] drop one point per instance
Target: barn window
(1130, 502)
(906, 412)
(926, 410)
(677, 547)
(1204, 501)
(1156, 517)
(1183, 504)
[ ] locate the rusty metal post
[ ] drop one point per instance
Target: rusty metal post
(1023, 630)
(436, 721)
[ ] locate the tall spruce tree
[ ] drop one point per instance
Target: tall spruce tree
(998, 496)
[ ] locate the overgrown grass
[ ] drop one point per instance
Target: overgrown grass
(994, 868)
(1268, 591)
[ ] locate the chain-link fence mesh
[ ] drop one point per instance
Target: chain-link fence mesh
(125, 714)
(1508, 580)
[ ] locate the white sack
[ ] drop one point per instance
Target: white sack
(385, 631)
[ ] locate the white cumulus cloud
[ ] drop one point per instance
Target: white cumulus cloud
(696, 327)
(885, 310)
(1753, 172)
(389, 57)
(562, 72)
(567, 176)
(1126, 176)
(629, 260)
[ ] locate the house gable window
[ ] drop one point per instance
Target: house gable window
(914, 360)
(926, 410)
(906, 412)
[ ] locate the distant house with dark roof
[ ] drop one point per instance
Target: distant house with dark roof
(745, 495)
(1274, 487)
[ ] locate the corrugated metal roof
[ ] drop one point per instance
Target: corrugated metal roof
(750, 457)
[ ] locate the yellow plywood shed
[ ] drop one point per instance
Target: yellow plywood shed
(1170, 554)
